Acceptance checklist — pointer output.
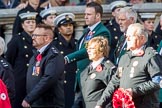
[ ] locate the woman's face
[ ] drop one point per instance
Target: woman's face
(93, 52)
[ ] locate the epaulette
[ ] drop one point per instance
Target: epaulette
(110, 64)
(54, 50)
(151, 51)
(3, 63)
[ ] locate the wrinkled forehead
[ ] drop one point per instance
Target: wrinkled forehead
(131, 31)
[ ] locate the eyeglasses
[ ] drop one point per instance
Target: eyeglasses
(36, 35)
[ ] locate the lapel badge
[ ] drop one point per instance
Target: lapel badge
(135, 63)
(93, 75)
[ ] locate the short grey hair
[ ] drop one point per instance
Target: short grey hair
(140, 30)
(2, 46)
(129, 13)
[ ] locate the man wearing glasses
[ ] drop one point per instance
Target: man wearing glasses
(45, 73)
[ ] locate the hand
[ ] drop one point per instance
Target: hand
(130, 91)
(25, 104)
(98, 107)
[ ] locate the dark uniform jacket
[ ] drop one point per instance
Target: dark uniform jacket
(6, 74)
(70, 69)
(81, 55)
(17, 28)
(120, 49)
(114, 29)
(94, 82)
(45, 88)
(19, 52)
(154, 40)
(137, 72)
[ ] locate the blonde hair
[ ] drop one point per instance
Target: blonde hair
(2, 46)
(102, 45)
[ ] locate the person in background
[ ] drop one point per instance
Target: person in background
(8, 4)
(93, 15)
(32, 6)
(54, 3)
(113, 26)
(126, 16)
(6, 74)
(138, 73)
(136, 1)
(19, 51)
(148, 20)
(48, 16)
(65, 42)
(44, 80)
(159, 27)
(96, 76)
(84, 2)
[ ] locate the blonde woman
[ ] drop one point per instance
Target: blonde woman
(95, 78)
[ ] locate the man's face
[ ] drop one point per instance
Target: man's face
(29, 25)
(149, 24)
(66, 29)
(123, 22)
(49, 20)
(39, 38)
(90, 16)
(133, 41)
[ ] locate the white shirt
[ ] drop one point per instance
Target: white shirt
(94, 64)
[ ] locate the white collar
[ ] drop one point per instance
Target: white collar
(93, 26)
(96, 63)
(43, 48)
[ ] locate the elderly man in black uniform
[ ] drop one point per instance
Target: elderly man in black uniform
(45, 73)
(65, 42)
(6, 73)
(148, 20)
(113, 26)
(32, 6)
(19, 51)
(139, 71)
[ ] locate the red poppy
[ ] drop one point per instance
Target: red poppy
(122, 99)
(99, 68)
(39, 57)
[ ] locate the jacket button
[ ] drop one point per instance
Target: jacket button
(27, 64)
(26, 55)
(65, 81)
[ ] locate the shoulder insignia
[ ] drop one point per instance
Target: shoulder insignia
(54, 50)
(3, 63)
(110, 64)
